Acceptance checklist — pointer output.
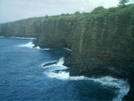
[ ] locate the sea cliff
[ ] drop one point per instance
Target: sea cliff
(101, 44)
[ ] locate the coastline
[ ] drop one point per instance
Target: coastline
(101, 44)
(73, 72)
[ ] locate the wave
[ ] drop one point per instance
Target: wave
(122, 85)
(28, 45)
(62, 75)
(58, 64)
(2, 36)
(67, 49)
(60, 61)
(23, 37)
(46, 49)
(38, 47)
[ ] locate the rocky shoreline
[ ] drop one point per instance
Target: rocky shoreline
(119, 69)
(100, 72)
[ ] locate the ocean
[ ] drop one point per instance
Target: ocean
(24, 78)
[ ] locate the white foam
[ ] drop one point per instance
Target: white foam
(28, 45)
(2, 36)
(62, 75)
(60, 62)
(46, 49)
(122, 86)
(38, 47)
(59, 65)
(22, 37)
(124, 89)
(68, 49)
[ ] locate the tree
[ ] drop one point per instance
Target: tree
(63, 14)
(46, 16)
(67, 14)
(98, 10)
(122, 3)
(77, 13)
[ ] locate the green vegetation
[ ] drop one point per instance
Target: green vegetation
(77, 13)
(122, 3)
(129, 9)
(46, 16)
(122, 8)
(98, 10)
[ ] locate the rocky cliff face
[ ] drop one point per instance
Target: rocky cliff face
(101, 45)
(103, 41)
(104, 45)
(56, 33)
(21, 28)
(50, 33)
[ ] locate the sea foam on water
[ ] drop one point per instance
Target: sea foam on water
(122, 85)
(28, 45)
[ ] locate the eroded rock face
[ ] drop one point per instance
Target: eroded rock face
(21, 28)
(56, 33)
(101, 45)
(103, 42)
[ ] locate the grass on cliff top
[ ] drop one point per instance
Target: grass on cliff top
(125, 9)
(96, 12)
(99, 11)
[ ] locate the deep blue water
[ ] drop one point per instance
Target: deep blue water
(23, 78)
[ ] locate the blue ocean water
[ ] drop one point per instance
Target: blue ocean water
(23, 78)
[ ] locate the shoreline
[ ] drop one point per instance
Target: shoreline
(93, 73)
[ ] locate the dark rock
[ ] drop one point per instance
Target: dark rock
(48, 64)
(65, 70)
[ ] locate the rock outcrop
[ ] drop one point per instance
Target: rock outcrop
(101, 45)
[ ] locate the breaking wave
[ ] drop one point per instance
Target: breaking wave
(57, 66)
(122, 86)
(2, 36)
(38, 47)
(28, 45)
(46, 49)
(68, 49)
(22, 37)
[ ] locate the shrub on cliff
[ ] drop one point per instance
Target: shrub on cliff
(46, 16)
(128, 8)
(122, 3)
(98, 10)
(77, 13)
(112, 9)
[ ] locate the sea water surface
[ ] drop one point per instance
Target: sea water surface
(23, 77)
